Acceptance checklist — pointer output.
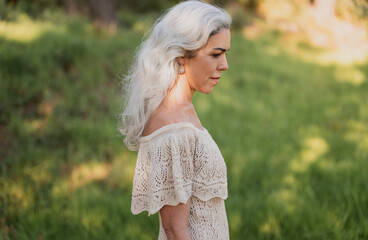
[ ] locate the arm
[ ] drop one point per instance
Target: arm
(175, 221)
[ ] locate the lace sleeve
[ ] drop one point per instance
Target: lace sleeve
(164, 172)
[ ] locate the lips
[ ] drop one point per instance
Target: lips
(216, 80)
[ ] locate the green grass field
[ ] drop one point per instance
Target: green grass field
(294, 135)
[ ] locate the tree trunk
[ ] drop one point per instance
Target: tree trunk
(104, 14)
(71, 7)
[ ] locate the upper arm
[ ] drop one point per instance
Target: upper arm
(175, 219)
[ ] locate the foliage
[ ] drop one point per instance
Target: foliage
(293, 133)
(353, 10)
(33, 8)
(240, 17)
(146, 6)
(350, 9)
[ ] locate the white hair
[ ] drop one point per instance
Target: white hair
(180, 32)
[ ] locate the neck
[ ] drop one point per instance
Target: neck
(181, 93)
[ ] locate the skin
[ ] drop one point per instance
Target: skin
(202, 73)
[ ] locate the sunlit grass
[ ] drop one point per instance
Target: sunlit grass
(350, 75)
(26, 30)
(309, 37)
(313, 149)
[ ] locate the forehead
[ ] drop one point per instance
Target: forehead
(220, 39)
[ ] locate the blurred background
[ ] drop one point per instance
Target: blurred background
(290, 117)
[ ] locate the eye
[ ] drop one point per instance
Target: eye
(216, 55)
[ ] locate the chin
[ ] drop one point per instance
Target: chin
(207, 91)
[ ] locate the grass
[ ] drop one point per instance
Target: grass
(293, 134)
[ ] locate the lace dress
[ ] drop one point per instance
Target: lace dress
(178, 162)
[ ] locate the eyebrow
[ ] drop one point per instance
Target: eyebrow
(221, 49)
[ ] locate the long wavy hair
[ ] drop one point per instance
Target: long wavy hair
(180, 32)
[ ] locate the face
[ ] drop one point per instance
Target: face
(203, 71)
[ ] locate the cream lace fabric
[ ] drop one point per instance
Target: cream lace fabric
(178, 162)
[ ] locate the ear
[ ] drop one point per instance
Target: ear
(181, 61)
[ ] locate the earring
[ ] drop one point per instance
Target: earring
(181, 70)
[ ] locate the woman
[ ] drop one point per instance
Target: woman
(180, 172)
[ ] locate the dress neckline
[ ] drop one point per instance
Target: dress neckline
(170, 126)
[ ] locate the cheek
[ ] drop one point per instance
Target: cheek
(203, 66)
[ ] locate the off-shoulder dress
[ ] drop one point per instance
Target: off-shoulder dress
(177, 162)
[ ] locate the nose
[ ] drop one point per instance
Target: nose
(223, 66)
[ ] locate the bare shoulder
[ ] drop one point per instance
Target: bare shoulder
(157, 120)
(163, 116)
